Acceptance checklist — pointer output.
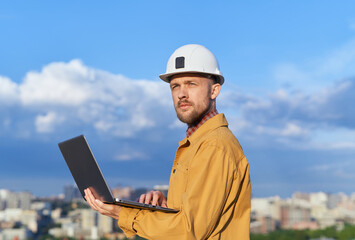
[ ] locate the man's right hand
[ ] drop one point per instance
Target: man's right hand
(110, 210)
(154, 198)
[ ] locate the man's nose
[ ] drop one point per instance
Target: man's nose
(183, 93)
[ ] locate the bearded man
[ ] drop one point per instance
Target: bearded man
(209, 182)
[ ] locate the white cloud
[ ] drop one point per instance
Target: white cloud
(8, 91)
(58, 84)
(73, 94)
(292, 129)
(298, 119)
(130, 156)
(46, 123)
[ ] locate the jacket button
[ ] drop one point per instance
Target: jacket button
(174, 170)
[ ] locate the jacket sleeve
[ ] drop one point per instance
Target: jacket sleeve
(209, 181)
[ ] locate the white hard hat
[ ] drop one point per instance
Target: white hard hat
(192, 58)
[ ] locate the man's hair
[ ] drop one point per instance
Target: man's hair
(209, 76)
(212, 77)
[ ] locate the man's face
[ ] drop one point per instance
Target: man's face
(192, 97)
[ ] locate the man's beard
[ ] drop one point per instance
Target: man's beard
(194, 117)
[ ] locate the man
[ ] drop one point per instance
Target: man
(209, 183)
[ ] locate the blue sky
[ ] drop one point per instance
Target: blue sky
(70, 68)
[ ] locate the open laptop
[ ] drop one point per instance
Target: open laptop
(87, 174)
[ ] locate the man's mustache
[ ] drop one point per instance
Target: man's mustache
(184, 102)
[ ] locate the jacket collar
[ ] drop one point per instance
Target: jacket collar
(215, 122)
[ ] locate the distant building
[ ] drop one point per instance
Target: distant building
(21, 215)
(10, 199)
(41, 206)
(319, 198)
(301, 196)
(266, 207)
(56, 213)
(333, 200)
(105, 224)
(11, 214)
(263, 225)
(71, 192)
(83, 223)
(3, 196)
(28, 218)
(88, 218)
(25, 199)
(292, 214)
(18, 233)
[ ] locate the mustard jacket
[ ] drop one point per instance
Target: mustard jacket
(209, 184)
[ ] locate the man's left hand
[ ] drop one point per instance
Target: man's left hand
(110, 210)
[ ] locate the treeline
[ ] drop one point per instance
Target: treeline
(347, 233)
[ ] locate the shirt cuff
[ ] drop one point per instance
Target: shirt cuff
(125, 221)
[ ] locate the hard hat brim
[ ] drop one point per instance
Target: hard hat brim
(166, 76)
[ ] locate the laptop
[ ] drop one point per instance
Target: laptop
(87, 174)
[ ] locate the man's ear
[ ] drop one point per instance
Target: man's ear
(215, 89)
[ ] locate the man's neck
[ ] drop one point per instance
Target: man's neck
(191, 129)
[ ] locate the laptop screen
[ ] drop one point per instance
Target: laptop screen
(84, 168)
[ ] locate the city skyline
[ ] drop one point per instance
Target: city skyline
(290, 84)
(24, 216)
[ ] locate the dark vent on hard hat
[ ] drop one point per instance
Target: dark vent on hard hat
(179, 62)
